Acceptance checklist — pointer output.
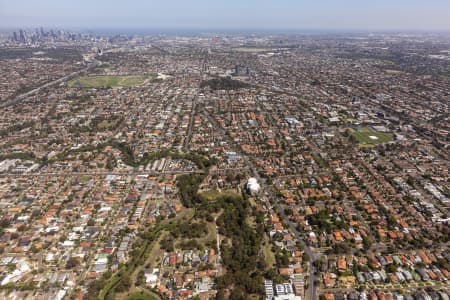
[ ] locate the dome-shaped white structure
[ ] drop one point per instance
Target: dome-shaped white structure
(253, 186)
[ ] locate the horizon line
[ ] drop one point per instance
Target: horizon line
(149, 29)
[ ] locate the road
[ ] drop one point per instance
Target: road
(75, 174)
(313, 255)
(188, 138)
(409, 286)
(312, 289)
(219, 254)
(133, 173)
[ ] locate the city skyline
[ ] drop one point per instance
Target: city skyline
(231, 15)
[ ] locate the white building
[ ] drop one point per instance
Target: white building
(253, 186)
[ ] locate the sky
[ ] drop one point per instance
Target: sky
(423, 15)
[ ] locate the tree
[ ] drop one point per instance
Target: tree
(288, 211)
(305, 256)
(188, 186)
(391, 268)
(367, 241)
(223, 84)
(238, 293)
(4, 223)
(72, 263)
(124, 284)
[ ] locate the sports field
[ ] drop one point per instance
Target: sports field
(106, 81)
(368, 137)
(252, 50)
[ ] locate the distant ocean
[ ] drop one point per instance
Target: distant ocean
(199, 31)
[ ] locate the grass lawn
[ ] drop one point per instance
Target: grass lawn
(211, 236)
(140, 296)
(251, 221)
(368, 137)
(106, 125)
(268, 254)
(252, 201)
(252, 50)
(106, 81)
(212, 195)
(152, 257)
(84, 179)
(393, 72)
(203, 241)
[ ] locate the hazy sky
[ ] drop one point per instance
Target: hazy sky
(228, 14)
